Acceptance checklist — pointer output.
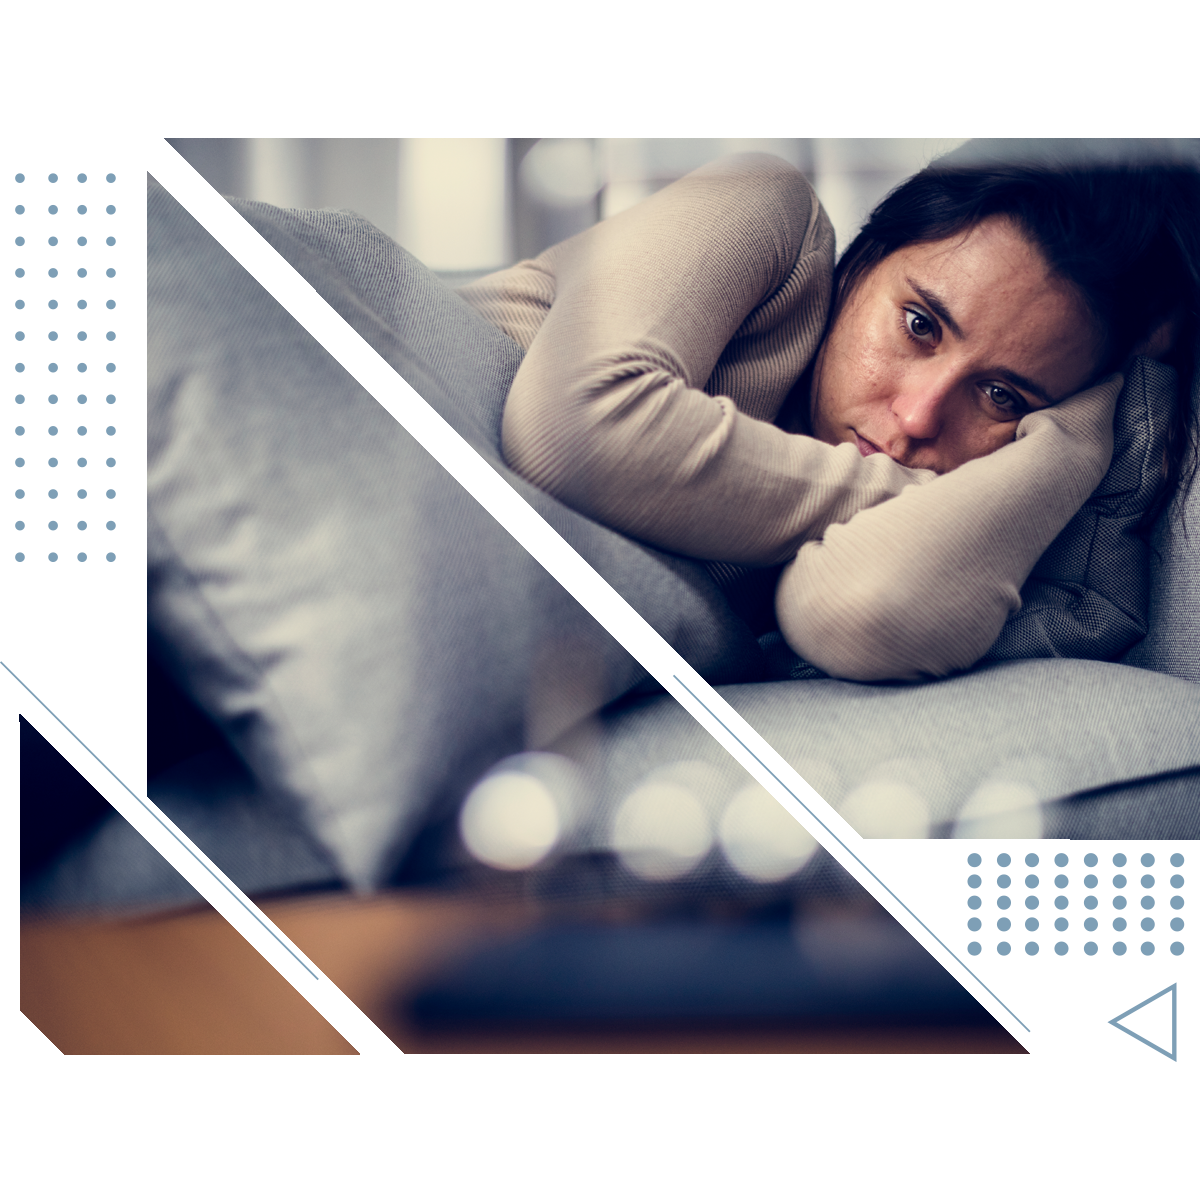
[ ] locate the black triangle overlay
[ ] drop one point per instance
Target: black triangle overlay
(551, 550)
(205, 876)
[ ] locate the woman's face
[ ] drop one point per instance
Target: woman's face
(943, 348)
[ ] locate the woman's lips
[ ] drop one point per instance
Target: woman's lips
(865, 448)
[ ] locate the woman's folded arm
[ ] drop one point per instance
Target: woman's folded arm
(922, 584)
(722, 278)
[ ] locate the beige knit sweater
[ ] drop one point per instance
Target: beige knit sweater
(661, 345)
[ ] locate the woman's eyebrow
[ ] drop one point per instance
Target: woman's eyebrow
(938, 307)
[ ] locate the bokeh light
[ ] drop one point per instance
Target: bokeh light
(761, 840)
(510, 820)
(661, 831)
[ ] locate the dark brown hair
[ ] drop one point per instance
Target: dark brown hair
(1125, 235)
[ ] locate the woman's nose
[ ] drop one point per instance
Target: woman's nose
(921, 410)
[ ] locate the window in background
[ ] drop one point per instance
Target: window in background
(851, 175)
(453, 204)
(466, 206)
(557, 188)
(357, 173)
(563, 185)
(634, 168)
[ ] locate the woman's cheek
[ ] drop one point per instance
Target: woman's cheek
(989, 438)
(875, 373)
(1004, 433)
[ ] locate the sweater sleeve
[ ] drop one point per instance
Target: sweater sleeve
(922, 584)
(661, 343)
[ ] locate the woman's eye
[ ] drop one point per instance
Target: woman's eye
(919, 325)
(1003, 399)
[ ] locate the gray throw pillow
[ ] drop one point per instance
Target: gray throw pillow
(1173, 643)
(366, 635)
(1088, 595)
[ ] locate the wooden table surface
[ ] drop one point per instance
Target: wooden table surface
(187, 983)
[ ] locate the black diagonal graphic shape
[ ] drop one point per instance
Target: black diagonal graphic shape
(288, 288)
(204, 875)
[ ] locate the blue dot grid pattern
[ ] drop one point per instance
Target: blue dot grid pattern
(1103, 901)
(1177, 902)
(66, 275)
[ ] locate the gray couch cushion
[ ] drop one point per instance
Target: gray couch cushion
(1061, 749)
(977, 755)
(364, 633)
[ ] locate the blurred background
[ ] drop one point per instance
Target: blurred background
(558, 906)
(466, 206)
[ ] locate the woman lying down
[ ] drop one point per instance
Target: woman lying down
(908, 432)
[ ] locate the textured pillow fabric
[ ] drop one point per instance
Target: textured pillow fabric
(1173, 643)
(1088, 595)
(366, 635)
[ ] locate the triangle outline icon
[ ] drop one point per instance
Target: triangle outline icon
(1171, 1054)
